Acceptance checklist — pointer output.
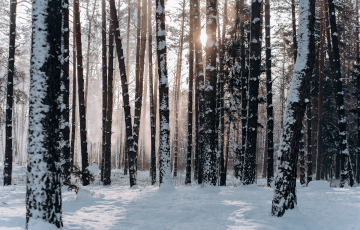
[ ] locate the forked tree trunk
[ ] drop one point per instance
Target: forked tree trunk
(43, 194)
(269, 106)
(164, 145)
(64, 95)
(130, 144)
(82, 109)
(253, 93)
(285, 181)
(9, 96)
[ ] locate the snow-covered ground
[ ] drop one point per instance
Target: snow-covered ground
(187, 207)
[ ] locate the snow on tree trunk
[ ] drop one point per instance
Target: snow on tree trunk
(82, 109)
(339, 97)
(131, 151)
(164, 145)
(249, 170)
(66, 161)
(9, 96)
(73, 106)
(302, 158)
(209, 153)
(285, 181)
(269, 107)
(43, 195)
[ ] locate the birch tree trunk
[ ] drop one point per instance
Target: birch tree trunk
(9, 97)
(285, 181)
(43, 194)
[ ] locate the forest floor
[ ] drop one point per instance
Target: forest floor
(187, 207)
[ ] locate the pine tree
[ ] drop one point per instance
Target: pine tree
(339, 95)
(252, 96)
(130, 144)
(43, 195)
(190, 97)
(104, 85)
(164, 145)
(285, 181)
(82, 108)
(209, 155)
(66, 162)
(73, 107)
(9, 96)
(269, 107)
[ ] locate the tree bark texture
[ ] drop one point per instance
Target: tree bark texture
(339, 97)
(164, 145)
(67, 160)
(249, 173)
(43, 194)
(285, 181)
(73, 107)
(9, 96)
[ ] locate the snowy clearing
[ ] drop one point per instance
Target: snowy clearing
(187, 207)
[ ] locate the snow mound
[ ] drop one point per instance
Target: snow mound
(166, 187)
(40, 224)
(134, 187)
(319, 185)
(84, 194)
(93, 169)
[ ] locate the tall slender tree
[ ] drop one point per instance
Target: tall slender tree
(269, 107)
(64, 96)
(339, 96)
(164, 145)
(285, 181)
(82, 109)
(43, 194)
(73, 106)
(9, 96)
(190, 97)
(252, 96)
(104, 85)
(130, 144)
(209, 158)
(293, 22)
(109, 109)
(152, 107)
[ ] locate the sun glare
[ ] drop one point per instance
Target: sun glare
(203, 37)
